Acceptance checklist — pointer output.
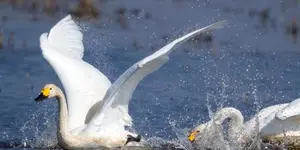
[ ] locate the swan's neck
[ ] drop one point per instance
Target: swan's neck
(63, 134)
(236, 120)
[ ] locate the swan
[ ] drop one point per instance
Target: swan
(265, 123)
(95, 111)
(291, 110)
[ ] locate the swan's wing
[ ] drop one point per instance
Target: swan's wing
(65, 37)
(114, 108)
(263, 117)
(291, 110)
(84, 85)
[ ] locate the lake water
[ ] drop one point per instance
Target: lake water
(177, 96)
(166, 104)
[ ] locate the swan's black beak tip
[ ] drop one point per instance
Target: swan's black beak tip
(40, 98)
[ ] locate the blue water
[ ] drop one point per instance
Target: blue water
(168, 102)
(180, 91)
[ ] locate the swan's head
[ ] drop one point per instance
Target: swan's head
(199, 131)
(48, 91)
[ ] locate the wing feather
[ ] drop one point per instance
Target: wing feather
(119, 94)
(84, 84)
(65, 37)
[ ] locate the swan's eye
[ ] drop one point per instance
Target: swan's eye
(50, 88)
(198, 131)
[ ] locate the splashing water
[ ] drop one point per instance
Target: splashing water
(39, 131)
(181, 135)
(224, 79)
(43, 127)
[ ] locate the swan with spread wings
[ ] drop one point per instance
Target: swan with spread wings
(95, 112)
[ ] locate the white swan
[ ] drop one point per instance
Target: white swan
(290, 110)
(264, 123)
(96, 112)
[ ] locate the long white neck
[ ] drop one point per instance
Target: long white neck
(63, 134)
(236, 122)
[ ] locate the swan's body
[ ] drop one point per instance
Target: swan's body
(290, 110)
(264, 124)
(66, 139)
(95, 112)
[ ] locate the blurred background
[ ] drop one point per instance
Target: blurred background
(250, 64)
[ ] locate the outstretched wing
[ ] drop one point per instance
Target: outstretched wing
(84, 85)
(291, 110)
(114, 107)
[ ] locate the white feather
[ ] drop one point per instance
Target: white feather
(291, 110)
(96, 108)
(84, 84)
(65, 37)
(116, 100)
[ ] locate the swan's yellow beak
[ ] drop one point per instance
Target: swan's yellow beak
(43, 95)
(192, 136)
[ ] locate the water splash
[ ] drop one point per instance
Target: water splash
(181, 135)
(39, 131)
(42, 124)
